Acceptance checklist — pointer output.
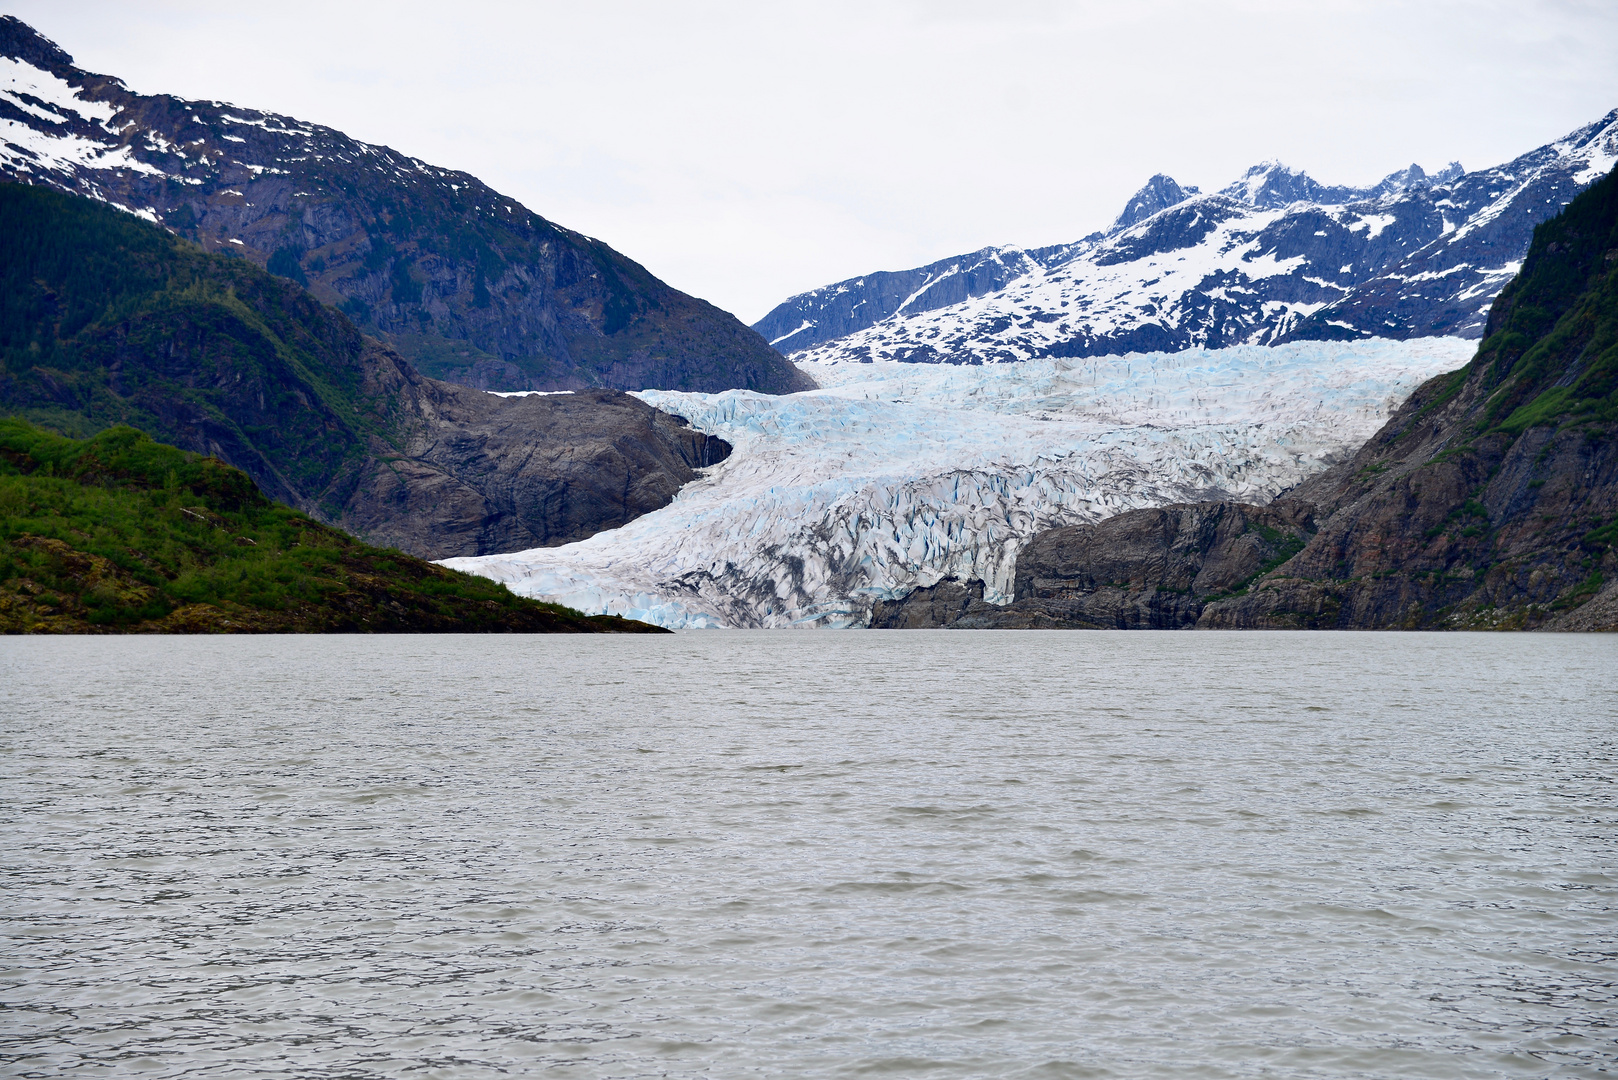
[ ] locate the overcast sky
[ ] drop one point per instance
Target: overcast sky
(746, 152)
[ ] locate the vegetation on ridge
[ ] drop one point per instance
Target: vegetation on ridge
(119, 533)
(106, 319)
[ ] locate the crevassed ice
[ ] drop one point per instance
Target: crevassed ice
(894, 475)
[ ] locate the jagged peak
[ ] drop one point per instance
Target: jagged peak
(1274, 184)
(1413, 177)
(1158, 193)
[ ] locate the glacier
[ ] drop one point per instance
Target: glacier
(893, 475)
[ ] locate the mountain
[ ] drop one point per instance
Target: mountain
(106, 319)
(1273, 257)
(119, 534)
(467, 284)
(1160, 193)
(1491, 498)
(1488, 501)
(844, 309)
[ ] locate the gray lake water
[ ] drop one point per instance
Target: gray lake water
(733, 854)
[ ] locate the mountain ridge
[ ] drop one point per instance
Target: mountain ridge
(1489, 499)
(1412, 255)
(106, 319)
(468, 284)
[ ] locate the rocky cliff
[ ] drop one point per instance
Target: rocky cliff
(1489, 500)
(1142, 570)
(105, 319)
(469, 285)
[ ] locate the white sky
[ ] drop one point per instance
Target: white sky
(746, 152)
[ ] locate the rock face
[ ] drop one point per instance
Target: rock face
(467, 284)
(110, 320)
(930, 607)
(477, 474)
(1273, 257)
(1142, 570)
(1489, 500)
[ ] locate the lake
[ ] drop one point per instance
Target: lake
(772, 854)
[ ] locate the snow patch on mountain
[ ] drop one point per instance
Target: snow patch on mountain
(894, 475)
(25, 149)
(67, 132)
(47, 96)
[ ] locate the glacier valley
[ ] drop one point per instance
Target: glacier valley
(895, 475)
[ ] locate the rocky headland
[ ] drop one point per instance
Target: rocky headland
(118, 534)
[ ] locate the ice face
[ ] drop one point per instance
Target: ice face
(893, 476)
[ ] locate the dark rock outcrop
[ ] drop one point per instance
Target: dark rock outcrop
(467, 284)
(476, 474)
(930, 607)
(1144, 570)
(1155, 569)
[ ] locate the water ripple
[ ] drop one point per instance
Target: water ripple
(743, 854)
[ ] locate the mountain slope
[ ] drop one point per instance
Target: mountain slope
(1489, 500)
(850, 306)
(1273, 257)
(466, 283)
(118, 534)
(106, 319)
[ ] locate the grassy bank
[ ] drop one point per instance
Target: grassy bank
(121, 534)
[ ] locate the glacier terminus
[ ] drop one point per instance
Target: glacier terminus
(895, 475)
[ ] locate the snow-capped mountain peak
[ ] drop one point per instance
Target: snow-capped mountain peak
(1274, 256)
(1158, 193)
(469, 284)
(1272, 185)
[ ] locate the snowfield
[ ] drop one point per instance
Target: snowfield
(895, 475)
